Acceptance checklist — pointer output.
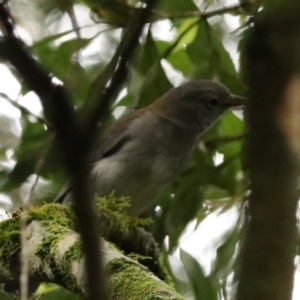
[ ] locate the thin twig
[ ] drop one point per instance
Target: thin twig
(169, 50)
(218, 142)
(130, 41)
(25, 110)
(197, 13)
(24, 280)
(74, 22)
(24, 276)
(76, 28)
(151, 72)
(7, 23)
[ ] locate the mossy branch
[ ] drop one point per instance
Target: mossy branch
(55, 255)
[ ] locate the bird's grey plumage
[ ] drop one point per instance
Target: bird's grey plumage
(144, 151)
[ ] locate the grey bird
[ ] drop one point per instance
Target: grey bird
(144, 151)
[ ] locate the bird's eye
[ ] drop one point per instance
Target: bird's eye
(213, 102)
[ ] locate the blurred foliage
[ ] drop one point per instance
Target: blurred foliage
(49, 291)
(191, 48)
(201, 284)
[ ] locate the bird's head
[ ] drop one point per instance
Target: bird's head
(198, 104)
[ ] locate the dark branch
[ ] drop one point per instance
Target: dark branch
(128, 46)
(7, 23)
(272, 147)
(213, 144)
(236, 8)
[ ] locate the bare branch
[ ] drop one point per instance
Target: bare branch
(236, 8)
(128, 46)
(7, 23)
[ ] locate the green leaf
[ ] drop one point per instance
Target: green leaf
(226, 253)
(188, 196)
(50, 291)
(51, 38)
(227, 175)
(33, 141)
(101, 81)
(211, 60)
(148, 80)
(175, 51)
(187, 32)
(59, 59)
(201, 54)
(68, 48)
(208, 3)
(230, 125)
(178, 59)
(202, 285)
(5, 296)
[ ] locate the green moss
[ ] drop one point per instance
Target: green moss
(118, 223)
(73, 254)
(55, 219)
(58, 221)
(10, 243)
(58, 214)
(48, 247)
(114, 209)
(128, 282)
(49, 243)
(162, 260)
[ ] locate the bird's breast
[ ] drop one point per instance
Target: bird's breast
(145, 165)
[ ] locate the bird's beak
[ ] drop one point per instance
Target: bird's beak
(237, 101)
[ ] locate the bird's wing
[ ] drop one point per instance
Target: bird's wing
(113, 139)
(111, 142)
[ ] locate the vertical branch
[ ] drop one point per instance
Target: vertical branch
(25, 257)
(273, 144)
(7, 24)
(76, 28)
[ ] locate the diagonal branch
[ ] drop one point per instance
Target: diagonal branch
(235, 8)
(7, 23)
(272, 146)
(114, 83)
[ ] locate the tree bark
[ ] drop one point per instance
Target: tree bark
(272, 66)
